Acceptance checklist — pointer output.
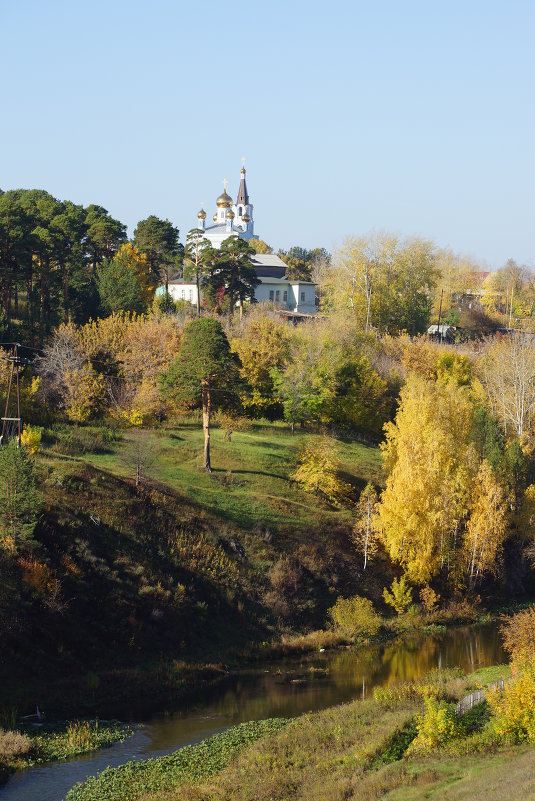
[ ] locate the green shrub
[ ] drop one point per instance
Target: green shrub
(355, 617)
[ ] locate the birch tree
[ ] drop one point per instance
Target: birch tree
(487, 526)
(364, 534)
(508, 375)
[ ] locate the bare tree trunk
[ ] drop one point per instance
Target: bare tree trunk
(206, 424)
(198, 281)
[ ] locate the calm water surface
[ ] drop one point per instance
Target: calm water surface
(275, 689)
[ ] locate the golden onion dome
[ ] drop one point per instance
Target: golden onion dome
(224, 201)
(230, 215)
(246, 218)
(214, 218)
(202, 214)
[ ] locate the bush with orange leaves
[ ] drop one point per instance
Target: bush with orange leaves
(110, 365)
(42, 580)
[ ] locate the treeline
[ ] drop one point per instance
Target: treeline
(50, 255)
(323, 373)
(392, 285)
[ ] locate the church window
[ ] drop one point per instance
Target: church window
(271, 294)
(183, 294)
(302, 297)
(277, 296)
(191, 295)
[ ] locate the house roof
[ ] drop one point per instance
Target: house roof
(268, 265)
(443, 330)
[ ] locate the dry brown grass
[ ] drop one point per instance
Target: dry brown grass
(13, 746)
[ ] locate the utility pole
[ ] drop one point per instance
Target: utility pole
(439, 315)
(11, 425)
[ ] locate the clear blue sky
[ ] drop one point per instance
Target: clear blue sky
(414, 117)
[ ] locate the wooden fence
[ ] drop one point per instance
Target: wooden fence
(469, 701)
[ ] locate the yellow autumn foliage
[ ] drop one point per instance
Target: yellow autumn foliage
(31, 439)
(431, 469)
(317, 471)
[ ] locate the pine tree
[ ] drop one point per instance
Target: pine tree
(197, 254)
(204, 373)
(20, 502)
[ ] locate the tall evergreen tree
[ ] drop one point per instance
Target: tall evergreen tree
(197, 255)
(236, 272)
(204, 373)
(158, 240)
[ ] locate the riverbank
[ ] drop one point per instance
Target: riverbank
(287, 688)
(27, 745)
(137, 693)
(360, 750)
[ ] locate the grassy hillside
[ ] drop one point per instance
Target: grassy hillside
(127, 582)
(250, 480)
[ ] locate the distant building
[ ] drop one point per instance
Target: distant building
(236, 219)
(446, 333)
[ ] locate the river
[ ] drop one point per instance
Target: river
(284, 688)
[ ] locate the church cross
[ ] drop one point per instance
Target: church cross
(225, 182)
(243, 162)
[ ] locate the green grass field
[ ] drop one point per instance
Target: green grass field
(250, 483)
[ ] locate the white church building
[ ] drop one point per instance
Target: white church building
(236, 219)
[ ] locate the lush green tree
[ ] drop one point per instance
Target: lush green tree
(20, 502)
(69, 230)
(303, 386)
(301, 261)
(158, 239)
(104, 234)
(119, 286)
(236, 272)
(48, 253)
(360, 401)
(204, 373)
(198, 254)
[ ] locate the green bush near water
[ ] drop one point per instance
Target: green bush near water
(74, 738)
(188, 765)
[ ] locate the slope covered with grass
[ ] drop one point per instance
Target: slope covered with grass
(156, 581)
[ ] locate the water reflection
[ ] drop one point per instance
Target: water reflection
(283, 689)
